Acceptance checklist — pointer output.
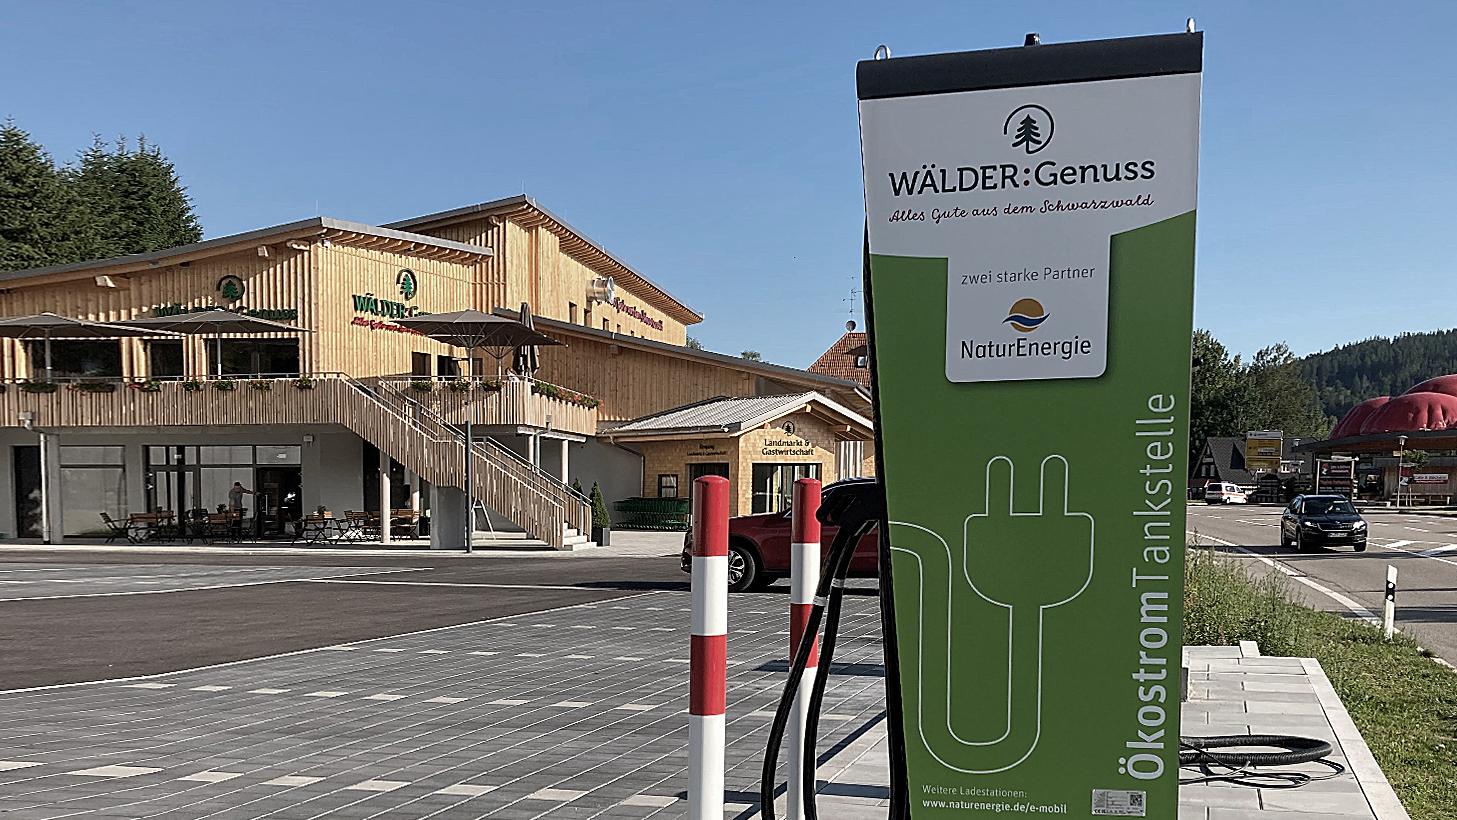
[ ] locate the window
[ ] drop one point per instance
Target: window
(420, 365)
(619, 328)
(718, 468)
(76, 359)
(605, 325)
(668, 485)
(849, 459)
(774, 484)
(258, 357)
(862, 362)
(446, 367)
(587, 317)
(93, 481)
(164, 359)
(572, 312)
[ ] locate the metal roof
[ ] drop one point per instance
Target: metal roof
(320, 222)
(726, 414)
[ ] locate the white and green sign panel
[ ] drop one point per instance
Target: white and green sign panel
(1031, 272)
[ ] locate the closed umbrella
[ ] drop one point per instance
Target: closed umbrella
(474, 330)
(526, 361)
(48, 326)
(216, 322)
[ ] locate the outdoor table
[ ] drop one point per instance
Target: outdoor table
(151, 526)
(312, 529)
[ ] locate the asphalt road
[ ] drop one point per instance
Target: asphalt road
(1423, 548)
(72, 617)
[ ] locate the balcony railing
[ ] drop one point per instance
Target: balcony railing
(509, 401)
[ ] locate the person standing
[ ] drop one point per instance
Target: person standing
(235, 496)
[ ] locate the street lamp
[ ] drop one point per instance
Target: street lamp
(1400, 462)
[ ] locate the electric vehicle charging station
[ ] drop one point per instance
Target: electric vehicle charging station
(1029, 278)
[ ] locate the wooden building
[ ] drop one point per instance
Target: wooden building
(352, 411)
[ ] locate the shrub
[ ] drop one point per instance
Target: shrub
(304, 383)
(1224, 605)
(422, 385)
(459, 385)
(91, 387)
(147, 386)
(192, 385)
(38, 387)
(261, 384)
(600, 516)
(225, 385)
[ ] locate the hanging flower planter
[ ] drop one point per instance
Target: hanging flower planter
(147, 386)
(261, 384)
(304, 383)
(225, 385)
(460, 385)
(422, 385)
(91, 387)
(39, 387)
(192, 385)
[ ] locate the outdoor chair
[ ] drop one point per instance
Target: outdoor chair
(405, 523)
(116, 529)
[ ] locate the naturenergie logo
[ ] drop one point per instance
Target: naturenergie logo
(1026, 315)
(1033, 129)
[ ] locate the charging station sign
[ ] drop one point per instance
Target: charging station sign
(1030, 217)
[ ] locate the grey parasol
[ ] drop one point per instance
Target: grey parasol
(48, 326)
(216, 322)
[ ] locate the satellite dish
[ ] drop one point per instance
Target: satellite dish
(850, 326)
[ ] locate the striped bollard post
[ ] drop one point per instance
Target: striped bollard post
(1388, 609)
(707, 668)
(804, 575)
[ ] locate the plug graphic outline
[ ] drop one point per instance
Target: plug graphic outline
(1001, 583)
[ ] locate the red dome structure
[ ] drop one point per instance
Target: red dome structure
(1440, 384)
(1412, 412)
(1355, 418)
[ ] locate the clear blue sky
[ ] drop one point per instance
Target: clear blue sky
(717, 150)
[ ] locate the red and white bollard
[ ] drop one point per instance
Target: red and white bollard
(708, 661)
(804, 574)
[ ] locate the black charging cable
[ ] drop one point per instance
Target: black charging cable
(855, 512)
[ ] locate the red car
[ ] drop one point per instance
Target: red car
(759, 548)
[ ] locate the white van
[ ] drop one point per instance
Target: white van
(1223, 492)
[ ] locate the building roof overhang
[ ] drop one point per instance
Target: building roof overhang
(855, 426)
(527, 211)
(1382, 442)
(322, 227)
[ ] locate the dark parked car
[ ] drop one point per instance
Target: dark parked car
(759, 547)
(1313, 521)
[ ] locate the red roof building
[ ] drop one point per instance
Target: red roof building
(848, 358)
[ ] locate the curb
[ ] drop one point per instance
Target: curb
(414, 554)
(1379, 795)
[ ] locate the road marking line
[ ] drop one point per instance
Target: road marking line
(572, 704)
(226, 664)
(485, 653)
(268, 691)
(441, 584)
(1415, 529)
(625, 658)
(579, 657)
(466, 790)
(292, 780)
(151, 685)
(433, 652)
(389, 650)
(507, 702)
(385, 697)
(326, 693)
(115, 771)
(210, 688)
(1437, 550)
(635, 707)
(12, 765)
(1399, 544)
(445, 700)
(211, 777)
(196, 589)
(1295, 575)
(528, 654)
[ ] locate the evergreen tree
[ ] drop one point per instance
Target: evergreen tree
(1217, 392)
(751, 355)
(1281, 397)
(34, 208)
(134, 198)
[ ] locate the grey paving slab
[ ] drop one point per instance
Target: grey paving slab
(470, 721)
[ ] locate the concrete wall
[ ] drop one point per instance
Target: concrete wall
(618, 470)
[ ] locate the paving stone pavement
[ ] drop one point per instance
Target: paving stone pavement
(576, 712)
(35, 581)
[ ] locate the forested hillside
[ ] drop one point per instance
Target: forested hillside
(1351, 373)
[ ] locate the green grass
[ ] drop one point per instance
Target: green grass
(1404, 703)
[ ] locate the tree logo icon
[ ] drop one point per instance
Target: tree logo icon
(1030, 127)
(409, 285)
(231, 289)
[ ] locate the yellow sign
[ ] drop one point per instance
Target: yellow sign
(1262, 451)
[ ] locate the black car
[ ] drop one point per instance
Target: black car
(1313, 521)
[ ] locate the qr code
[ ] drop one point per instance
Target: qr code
(1118, 803)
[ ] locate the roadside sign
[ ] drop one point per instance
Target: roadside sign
(1030, 218)
(1262, 450)
(1335, 476)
